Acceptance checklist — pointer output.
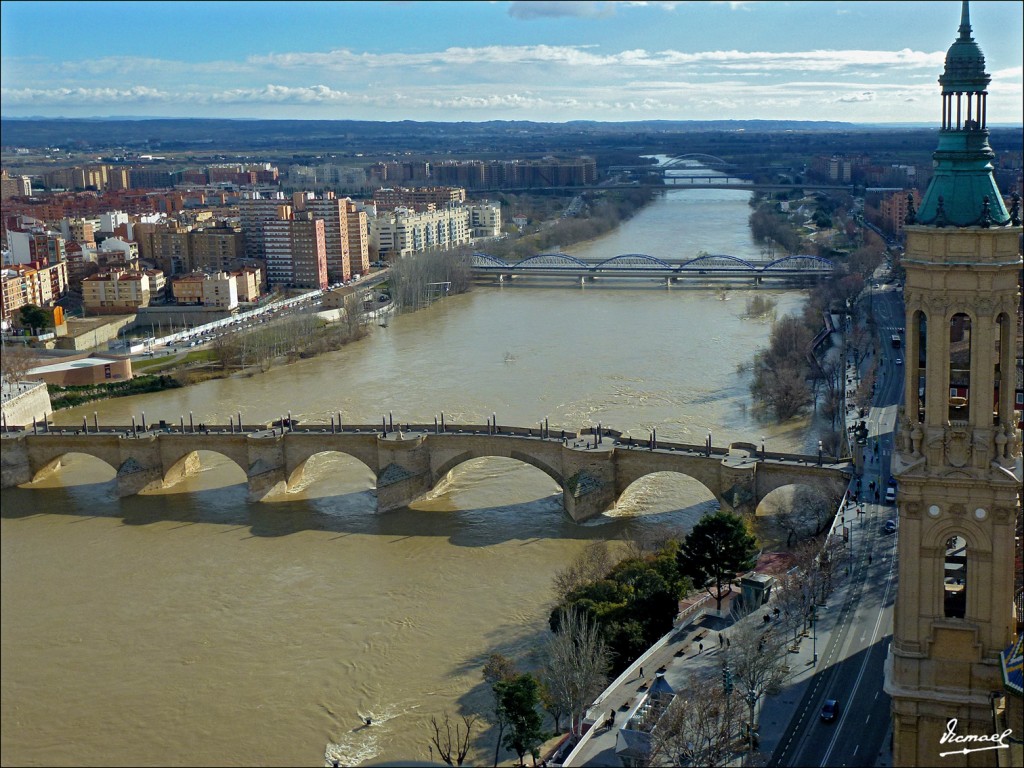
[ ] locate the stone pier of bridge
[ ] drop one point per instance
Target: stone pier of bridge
(592, 472)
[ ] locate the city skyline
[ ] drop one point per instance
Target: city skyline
(862, 62)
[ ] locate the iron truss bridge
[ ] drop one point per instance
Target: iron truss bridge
(707, 267)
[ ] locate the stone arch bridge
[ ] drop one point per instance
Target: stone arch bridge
(593, 467)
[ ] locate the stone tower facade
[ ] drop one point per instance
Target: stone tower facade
(958, 450)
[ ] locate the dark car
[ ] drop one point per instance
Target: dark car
(890, 526)
(829, 710)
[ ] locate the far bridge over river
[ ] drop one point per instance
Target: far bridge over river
(801, 269)
(593, 467)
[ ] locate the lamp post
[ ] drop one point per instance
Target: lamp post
(814, 634)
(709, 443)
(819, 452)
(762, 446)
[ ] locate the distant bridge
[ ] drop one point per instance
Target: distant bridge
(593, 467)
(705, 267)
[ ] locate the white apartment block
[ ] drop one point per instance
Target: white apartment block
(403, 231)
(111, 220)
(484, 219)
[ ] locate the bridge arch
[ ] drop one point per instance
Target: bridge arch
(631, 260)
(802, 259)
(552, 259)
(710, 259)
(709, 161)
(481, 259)
(297, 465)
(177, 456)
(440, 473)
(664, 492)
(54, 463)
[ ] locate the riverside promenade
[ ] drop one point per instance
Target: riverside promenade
(696, 646)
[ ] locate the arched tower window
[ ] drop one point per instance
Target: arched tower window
(954, 581)
(959, 367)
(919, 332)
(1003, 369)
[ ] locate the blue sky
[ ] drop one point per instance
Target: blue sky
(475, 61)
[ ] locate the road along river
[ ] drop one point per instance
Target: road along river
(188, 627)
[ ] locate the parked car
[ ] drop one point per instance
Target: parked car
(890, 526)
(829, 710)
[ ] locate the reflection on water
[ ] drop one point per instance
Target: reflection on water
(188, 626)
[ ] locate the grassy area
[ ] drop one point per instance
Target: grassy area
(169, 362)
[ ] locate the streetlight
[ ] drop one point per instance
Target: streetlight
(762, 446)
(709, 443)
(819, 452)
(814, 634)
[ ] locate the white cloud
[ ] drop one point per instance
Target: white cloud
(856, 98)
(552, 9)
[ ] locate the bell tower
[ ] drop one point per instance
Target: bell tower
(958, 450)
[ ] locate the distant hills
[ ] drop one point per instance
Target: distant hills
(199, 133)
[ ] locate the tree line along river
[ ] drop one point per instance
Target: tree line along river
(189, 627)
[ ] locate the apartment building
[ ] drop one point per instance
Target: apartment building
(33, 283)
(216, 248)
(37, 244)
(296, 251)
(116, 292)
(401, 232)
(418, 198)
(253, 214)
(484, 219)
(247, 284)
(200, 288)
(14, 186)
(79, 230)
(893, 210)
(334, 213)
(358, 238)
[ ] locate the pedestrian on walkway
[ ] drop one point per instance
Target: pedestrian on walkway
(721, 641)
(641, 673)
(700, 647)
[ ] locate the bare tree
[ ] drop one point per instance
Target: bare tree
(593, 563)
(756, 659)
(446, 743)
(15, 362)
(808, 514)
(576, 665)
(700, 726)
(793, 602)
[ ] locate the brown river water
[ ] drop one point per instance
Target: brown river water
(189, 627)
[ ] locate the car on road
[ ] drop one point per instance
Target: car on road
(890, 526)
(899, 361)
(890, 494)
(829, 710)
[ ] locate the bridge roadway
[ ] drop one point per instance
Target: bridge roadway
(593, 466)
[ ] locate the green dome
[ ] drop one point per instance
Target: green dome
(963, 191)
(965, 63)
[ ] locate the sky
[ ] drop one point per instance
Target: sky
(861, 62)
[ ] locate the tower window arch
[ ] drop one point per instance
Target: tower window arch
(954, 578)
(919, 332)
(1002, 368)
(959, 367)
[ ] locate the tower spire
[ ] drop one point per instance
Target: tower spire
(965, 21)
